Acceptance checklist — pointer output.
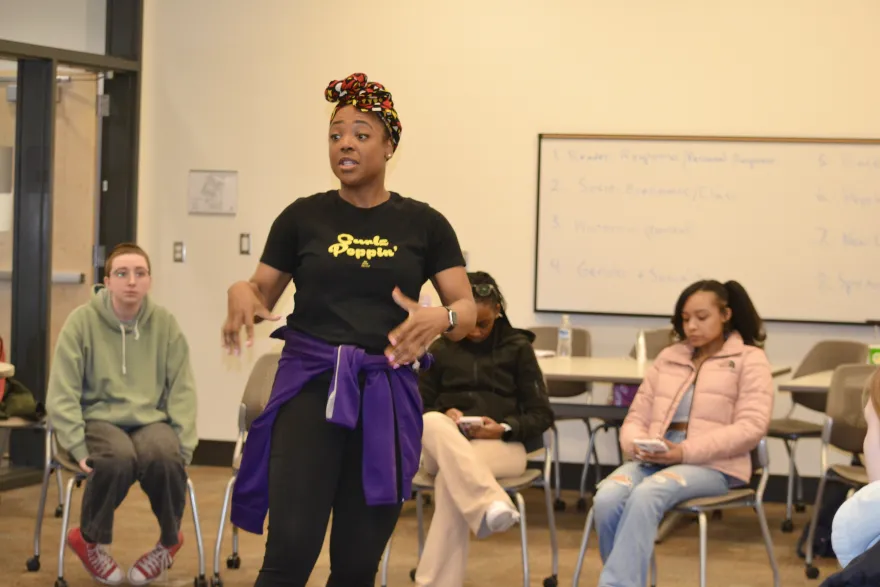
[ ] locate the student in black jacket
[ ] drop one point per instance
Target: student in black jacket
(492, 375)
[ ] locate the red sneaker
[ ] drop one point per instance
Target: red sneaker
(97, 561)
(154, 563)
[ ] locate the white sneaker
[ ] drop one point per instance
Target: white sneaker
(500, 516)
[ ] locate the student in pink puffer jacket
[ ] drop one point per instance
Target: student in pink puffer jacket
(709, 397)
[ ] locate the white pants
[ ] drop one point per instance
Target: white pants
(464, 487)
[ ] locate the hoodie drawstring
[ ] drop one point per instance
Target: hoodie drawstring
(137, 336)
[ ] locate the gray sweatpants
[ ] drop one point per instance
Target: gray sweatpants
(150, 455)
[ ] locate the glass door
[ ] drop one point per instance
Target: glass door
(75, 193)
(8, 71)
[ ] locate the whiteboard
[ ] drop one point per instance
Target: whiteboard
(625, 223)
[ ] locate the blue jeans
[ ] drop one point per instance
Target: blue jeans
(856, 525)
(629, 505)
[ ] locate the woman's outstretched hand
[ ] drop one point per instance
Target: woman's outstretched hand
(243, 308)
(410, 340)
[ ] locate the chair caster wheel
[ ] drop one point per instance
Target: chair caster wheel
(551, 581)
(812, 572)
(800, 508)
(412, 575)
(59, 511)
(559, 505)
(233, 561)
(60, 582)
(200, 582)
(216, 581)
(787, 526)
(33, 564)
(582, 505)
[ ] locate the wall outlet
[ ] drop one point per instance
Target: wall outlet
(179, 252)
(244, 243)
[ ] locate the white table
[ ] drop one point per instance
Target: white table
(594, 369)
(7, 370)
(819, 382)
(606, 369)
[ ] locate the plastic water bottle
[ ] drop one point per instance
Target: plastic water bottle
(563, 343)
(874, 349)
(641, 350)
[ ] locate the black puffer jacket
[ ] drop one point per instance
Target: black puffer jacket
(862, 571)
(498, 377)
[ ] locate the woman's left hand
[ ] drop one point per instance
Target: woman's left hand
(673, 456)
(410, 340)
(490, 430)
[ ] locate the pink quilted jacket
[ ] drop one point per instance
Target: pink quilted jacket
(730, 413)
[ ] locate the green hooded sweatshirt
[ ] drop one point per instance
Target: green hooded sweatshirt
(128, 374)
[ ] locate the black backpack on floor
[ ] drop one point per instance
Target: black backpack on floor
(832, 498)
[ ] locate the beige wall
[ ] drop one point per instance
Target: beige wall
(77, 25)
(475, 82)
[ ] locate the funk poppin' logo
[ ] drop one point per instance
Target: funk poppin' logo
(360, 248)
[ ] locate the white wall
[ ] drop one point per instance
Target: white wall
(77, 25)
(475, 82)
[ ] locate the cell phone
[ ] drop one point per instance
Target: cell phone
(651, 445)
(471, 421)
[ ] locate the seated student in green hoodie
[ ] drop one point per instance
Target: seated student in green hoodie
(494, 375)
(122, 402)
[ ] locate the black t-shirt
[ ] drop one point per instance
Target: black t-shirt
(346, 261)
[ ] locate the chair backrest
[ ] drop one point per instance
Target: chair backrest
(761, 457)
(546, 338)
(826, 355)
(656, 340)
(845, 408)
(873, 381)
(259, 387)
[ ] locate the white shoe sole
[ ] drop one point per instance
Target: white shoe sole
(99, 579)
(96, 578)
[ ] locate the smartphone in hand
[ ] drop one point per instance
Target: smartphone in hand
(651, 445)
(471, 421)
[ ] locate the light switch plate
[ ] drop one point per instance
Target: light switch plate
(244, 243)
(179, 252)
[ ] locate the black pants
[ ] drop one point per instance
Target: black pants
(151, 455)
(315, 467)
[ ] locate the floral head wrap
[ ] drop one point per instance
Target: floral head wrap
(366, 96)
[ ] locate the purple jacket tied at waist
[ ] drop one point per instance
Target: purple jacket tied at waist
(391, 402)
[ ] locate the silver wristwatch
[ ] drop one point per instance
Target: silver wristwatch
(453, 319)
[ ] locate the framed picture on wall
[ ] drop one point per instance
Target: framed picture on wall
(212, 192)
